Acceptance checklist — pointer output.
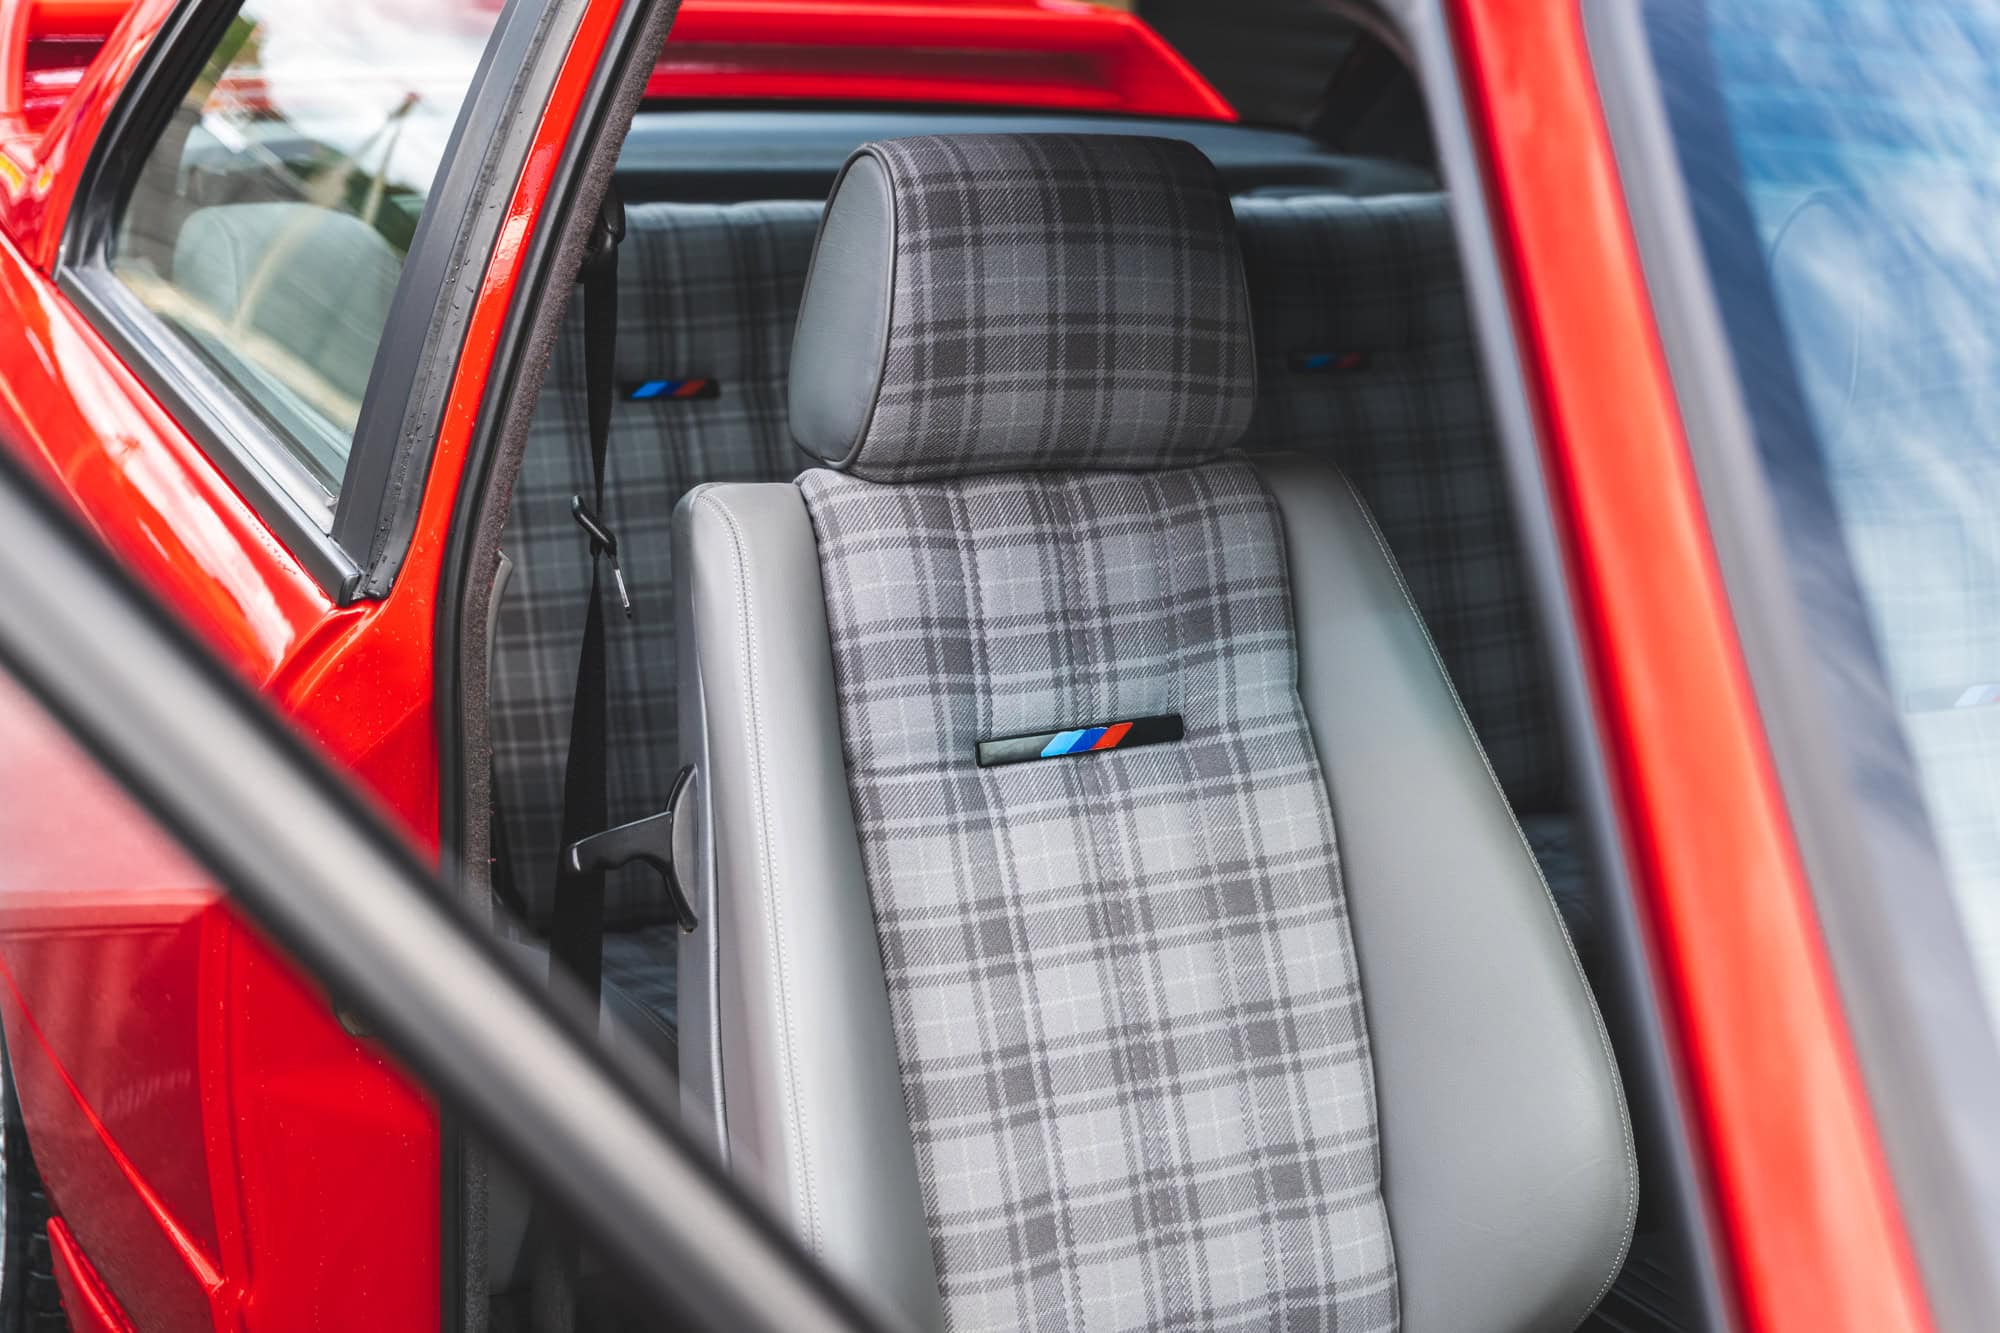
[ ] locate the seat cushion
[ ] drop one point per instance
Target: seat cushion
(1123, 990)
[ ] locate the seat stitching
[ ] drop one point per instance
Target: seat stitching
(754, 724)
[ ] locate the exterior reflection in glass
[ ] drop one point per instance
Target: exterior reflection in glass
(1843, 161)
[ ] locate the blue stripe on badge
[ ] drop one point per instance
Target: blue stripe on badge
(642, 391)
(1060, 743)
(1323, 361)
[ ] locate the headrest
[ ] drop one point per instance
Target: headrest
(992, 303)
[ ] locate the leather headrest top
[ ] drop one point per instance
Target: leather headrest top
(993, 303)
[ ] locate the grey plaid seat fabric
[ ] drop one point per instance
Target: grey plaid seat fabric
(1107, 1040)
(713, 290)
(705, 290)
(1123, 989)
(1037, 361)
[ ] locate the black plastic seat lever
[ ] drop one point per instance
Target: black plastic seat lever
(660, 841)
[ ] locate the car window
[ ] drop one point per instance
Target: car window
(269, 224)
(1843, 162)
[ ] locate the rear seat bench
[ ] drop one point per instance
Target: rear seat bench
(1366, 355)
(706, 292)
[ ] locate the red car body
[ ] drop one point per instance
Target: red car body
(236, 1146)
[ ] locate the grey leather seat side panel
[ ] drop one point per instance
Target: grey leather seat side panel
(1507, 1157)
(804, 1013)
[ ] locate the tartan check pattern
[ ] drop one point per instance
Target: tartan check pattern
(1123, 989)
(1411, 426)
(1059, 301)
(704, 289)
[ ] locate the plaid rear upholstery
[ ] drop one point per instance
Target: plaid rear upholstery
(1377, 281)
(1122, 985)
(708, 290)
(1068, 301)
(714, 289)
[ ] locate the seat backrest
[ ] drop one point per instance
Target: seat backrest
(708, 295)
(1034, 989)
(1366, 357)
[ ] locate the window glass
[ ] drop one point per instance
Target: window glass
(1843, 161)
(269, 224)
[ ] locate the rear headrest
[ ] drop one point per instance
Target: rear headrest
(992, 303)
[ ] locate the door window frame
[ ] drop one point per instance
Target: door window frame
(352, 543)
(1634, 1004)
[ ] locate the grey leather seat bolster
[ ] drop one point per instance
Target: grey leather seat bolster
(811, 1090)
(1507, 1157)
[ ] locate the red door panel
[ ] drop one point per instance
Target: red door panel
(207, 1119)
(233, 1158)
(102, 921)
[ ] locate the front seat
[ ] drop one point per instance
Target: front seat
(1110, 921)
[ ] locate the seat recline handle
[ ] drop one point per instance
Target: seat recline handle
(659, 841)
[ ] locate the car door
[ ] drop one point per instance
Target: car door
(254, 289)
(187, 787)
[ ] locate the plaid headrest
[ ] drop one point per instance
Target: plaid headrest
(991, 303)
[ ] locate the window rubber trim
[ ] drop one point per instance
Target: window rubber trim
(417, 360)
(636, 27)
(304, 858)
(1911, 998)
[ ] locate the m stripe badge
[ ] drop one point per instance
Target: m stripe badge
(1323, 361)
(1080, 740)
(640, 391)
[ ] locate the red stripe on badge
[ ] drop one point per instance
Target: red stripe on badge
(1111, 737)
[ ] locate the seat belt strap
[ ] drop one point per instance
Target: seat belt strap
(576, 934)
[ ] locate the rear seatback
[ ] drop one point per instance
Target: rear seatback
(706, 291)
(1366, 357)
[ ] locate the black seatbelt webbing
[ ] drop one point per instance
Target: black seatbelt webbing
(576, 934)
